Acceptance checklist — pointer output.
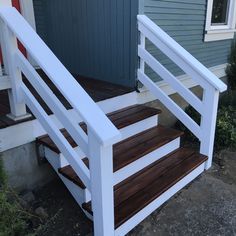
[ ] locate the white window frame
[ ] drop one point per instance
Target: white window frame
(220, 32)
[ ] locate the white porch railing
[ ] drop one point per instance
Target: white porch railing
(102, 134)
(212, 86)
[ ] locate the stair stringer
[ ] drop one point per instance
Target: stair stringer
(80, 195)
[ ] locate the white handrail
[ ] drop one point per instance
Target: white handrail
(211, 85)
(92, 115)
(97, 144)
(181, 53)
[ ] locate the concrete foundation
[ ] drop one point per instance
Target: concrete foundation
(23, 170)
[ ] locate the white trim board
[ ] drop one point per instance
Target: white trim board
(28, 131)
(27, 10)
(220, 31)
(145, 96)
(141, 215)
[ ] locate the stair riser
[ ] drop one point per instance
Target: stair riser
(146, 160)
(141, 215)
(79, 194)
(126, 132)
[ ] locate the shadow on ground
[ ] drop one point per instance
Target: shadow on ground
(205, 207)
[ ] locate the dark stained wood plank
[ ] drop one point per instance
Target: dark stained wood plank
(140, 190)
(120, 119)
(70, 174)
(131, 149)
(98, 90)
(128, 154)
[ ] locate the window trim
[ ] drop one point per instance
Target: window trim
(220, 32)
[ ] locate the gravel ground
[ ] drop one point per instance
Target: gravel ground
(205, 207)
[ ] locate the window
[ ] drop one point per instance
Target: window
(221, 19)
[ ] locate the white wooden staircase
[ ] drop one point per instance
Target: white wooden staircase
(147, 164)
(122, 166)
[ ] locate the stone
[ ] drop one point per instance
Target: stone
(41, 212)
(28, 197)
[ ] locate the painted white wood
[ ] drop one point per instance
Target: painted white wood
(145, 161)
(138, 127)
(214, 35)
(27, 10)
(80, 195)
(178, 54)
(208, 124)
(106, 132)
(9, 47)
(170, 104)
(142, 45)
(190, 97)
(220, 32)
(101, 176)
(55, 134)
(22, 133)
(141, 215)
(145, 96)
(119, 102)
(126, 132)
(5, 82)
(71, 125)
(5, 3)
(36, 129)
(135, 166)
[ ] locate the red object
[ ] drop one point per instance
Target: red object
(16, 4)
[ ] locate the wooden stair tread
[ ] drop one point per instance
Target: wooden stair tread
(139, 190)
(121, 118)
(131, 149)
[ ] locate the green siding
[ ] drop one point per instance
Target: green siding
(94, 38)
(184, 20)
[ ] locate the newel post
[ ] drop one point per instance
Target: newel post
(9, 48)
(208, 123)
(101, 176)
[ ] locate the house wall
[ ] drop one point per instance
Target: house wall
(94, 38)
(185, 21)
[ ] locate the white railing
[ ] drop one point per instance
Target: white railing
(102, 134)
(211, 85)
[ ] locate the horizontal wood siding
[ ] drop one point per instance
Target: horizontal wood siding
(184, 20)
(94, 38)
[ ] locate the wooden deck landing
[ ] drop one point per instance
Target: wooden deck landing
(98, 90)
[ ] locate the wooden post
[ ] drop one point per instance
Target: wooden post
(3, 3)
(208, 123)
(9, 47)
(143, 45)
(101, 175)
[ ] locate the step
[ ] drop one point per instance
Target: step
(135, 149)
(130, 121)
(140, 190)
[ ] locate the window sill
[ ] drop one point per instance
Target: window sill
(217, 35)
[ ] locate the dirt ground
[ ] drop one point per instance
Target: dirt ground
(205, 207)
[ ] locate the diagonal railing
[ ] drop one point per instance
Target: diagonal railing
(211, 85)
(101, 135)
